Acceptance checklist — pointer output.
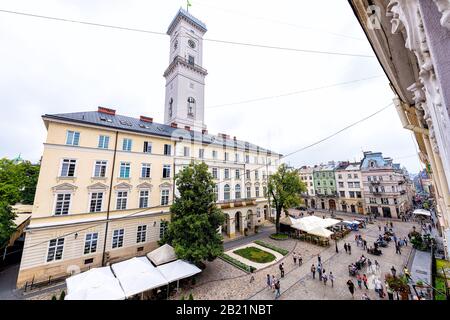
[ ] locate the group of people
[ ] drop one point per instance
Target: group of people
(297, 257)
(347, 248)
(274, 284)
(322, 273)
(360, 242)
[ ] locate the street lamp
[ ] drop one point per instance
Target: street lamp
(335, 241)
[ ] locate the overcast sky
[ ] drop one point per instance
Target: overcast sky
(56, 67)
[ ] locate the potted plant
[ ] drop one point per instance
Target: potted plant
(399, 284)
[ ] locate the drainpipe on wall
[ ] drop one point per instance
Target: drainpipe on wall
(109, 199)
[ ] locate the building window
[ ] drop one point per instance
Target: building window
(122, 197)
(384, 200)
(125, 170)
(237, 191)
(247, 174)
(358, 194)
(249, 192)
(141, 234)
(341, 184)
(256, 174)
(226, 156)
(216, 192)
(55, 249)
(191, 60)
(339, 176)
(164, 197)
(264, 175)
(163, 228)
(68, 167)
(258, 212)
(237, 174)
(395, 201)
(147, 147)
(355, 176)
(342, 194)
(247, 158)
(170, 104)
(201, 153)
(190, 106)
(373, 200)
(215, 173)
(350, 184)
(257, 192)
(214, 154)
(90, 243)
(126, 145)
(103, 142)
(352, 194)
(227, 173)
(73, 138)
(167, 150)
(166, 171)
(62, 204)
(186, 151)
(226, 192)
(143, 198)
(100, 169)
(96, 202)
(357, 185)
(117, 239)
(265, 192)
(146, 170)
(236, 157)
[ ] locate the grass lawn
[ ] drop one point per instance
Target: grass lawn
(255, 254)
(279, 236)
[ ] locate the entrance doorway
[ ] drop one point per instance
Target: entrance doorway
(353, 208)
(332, 204)
(344, 207)
(237, 222)
(387, 212)
(322, 203)
(313, 203)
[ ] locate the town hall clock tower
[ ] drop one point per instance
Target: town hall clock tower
(185, 76)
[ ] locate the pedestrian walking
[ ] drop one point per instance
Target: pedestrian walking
(369, 264)
(294, 256)
(300, 259)
(397, 249)
(364, 279)
(313, 271)
(325, 279)
(274, 280)
(277, 288)
(393, 271)
(351, 287)
(365, 296)
(365, 244)
(377, 265)
(319, 271)
(345, 248)
(319, 259)
(269, 281)
(378, 287)
(282, 270)
(405, 241)
(407, 274)
(379, 228)
(331, 278)
(349, 248)
(359, 280)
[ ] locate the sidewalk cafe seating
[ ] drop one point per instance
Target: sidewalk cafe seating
(352, 270)
(374, 251)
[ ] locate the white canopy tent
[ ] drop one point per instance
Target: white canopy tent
(309, 223)
(176, 270)
(161, 255)
(289, 221)
(321, 232)
(137, 275)
(95, 284)
(422, 212)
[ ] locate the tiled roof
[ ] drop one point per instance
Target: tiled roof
(184, 14)
(136, 125)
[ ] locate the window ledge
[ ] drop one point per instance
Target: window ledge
(99, 178)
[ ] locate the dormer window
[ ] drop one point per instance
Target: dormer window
(372, 164)
(191, 106)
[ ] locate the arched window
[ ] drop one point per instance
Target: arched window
(170, 107)
(226, 192)
(191, 106)
(372, 164)
(237, 191)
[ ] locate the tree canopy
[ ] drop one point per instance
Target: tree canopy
(18, 181)
(285, 188)
(195, 218)
(7, 226)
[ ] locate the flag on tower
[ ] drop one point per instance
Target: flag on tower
(188, 4)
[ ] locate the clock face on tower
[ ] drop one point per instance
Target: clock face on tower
(191, 43)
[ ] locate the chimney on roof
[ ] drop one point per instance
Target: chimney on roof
(234, 138)
(187, 128)
(204, 131)
(174, 125)
(224, 136)
(146, 119)
(107, 111)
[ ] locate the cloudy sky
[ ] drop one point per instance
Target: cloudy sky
(56, 67)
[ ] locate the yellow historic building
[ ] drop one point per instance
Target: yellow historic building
(107, 180)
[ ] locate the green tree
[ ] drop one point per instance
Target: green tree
(195, 218)
(7, 226)
(284, 189)
(18, 181)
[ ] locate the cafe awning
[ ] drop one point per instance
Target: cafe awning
(94, 284)
(178, 270)
(161, 255)
(321, 232)
(137, 275)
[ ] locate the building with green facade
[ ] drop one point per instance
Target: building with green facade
(325, 186)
